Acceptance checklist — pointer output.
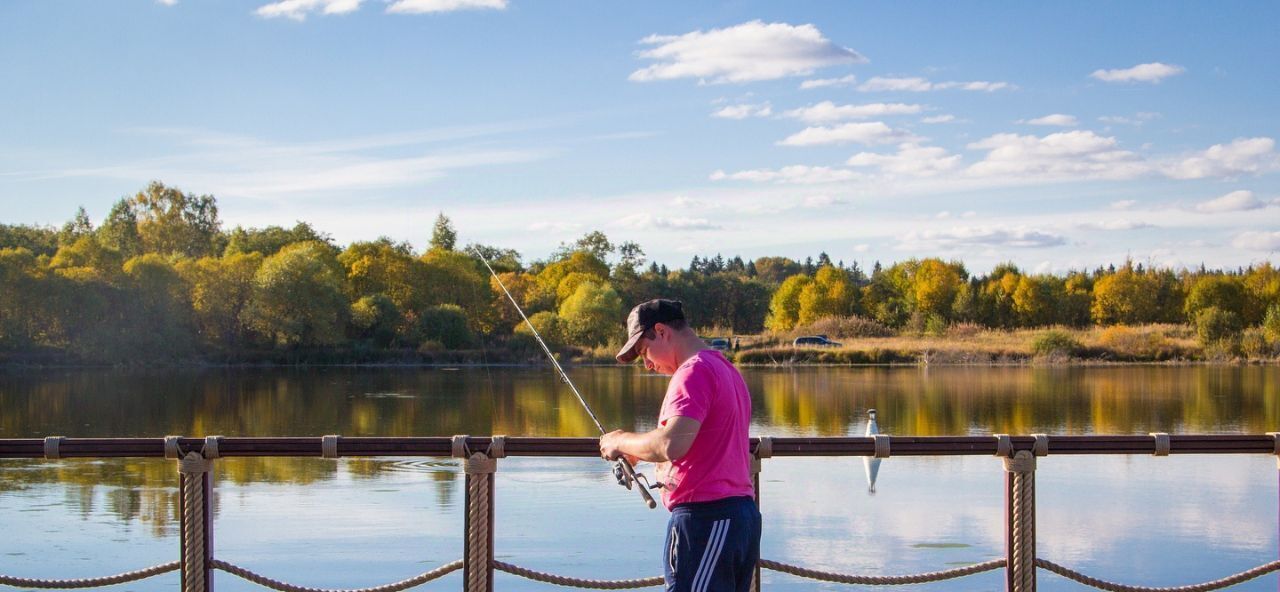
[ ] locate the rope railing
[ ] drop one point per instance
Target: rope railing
(281, 586)
(479, 459)
(129, 576)
(1218, 584)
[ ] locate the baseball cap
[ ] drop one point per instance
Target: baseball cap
(643, 317)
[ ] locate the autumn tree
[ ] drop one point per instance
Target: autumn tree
(784, 307)
(1125, 297)
(1223, 292)
(268, 241)
(592, 314)
(297, 297)
(221, 289)
(170, 221)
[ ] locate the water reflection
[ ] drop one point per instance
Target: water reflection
(418, 402)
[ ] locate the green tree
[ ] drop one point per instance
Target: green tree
(170, 221)
(87, 259)
(297, 297)
(79, 226)
(1223, 292)
(376, 319)
(592, 314)
(775, 270)
(446, 324)
(221, 290)
(1262, 291)
(21, 300)
(443, 236)
(120, 230)
(387, 268)
(453, 277)
(268, 241)
(158, 319)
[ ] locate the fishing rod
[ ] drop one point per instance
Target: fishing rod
(622, 469)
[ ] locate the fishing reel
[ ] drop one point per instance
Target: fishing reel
(625, 480)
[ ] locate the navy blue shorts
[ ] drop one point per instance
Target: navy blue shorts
(712, 546)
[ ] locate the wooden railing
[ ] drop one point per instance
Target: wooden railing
(480, 456)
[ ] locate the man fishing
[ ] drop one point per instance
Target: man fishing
(713, 535)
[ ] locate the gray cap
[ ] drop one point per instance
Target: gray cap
(643, 317)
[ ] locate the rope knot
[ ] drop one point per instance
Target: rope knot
(52, 446)
(193, 463)
(1162, 443)
(210, 450)
(1004, 446)
(882, 445)
(497, 447)
(329, 446)
(1021, 462)
(1041, 446)
(459, 446)
(764, 448)
(479, 464)
(171, 450)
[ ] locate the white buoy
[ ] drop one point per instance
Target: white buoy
(871, 464)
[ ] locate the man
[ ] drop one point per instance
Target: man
(713, 535)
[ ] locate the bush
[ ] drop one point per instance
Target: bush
(935, 325)
(1214, 324)
(1133, 344)
(1271, 323)
(446, 324)
(1055, 343)
(844, 328)
(1255, 345)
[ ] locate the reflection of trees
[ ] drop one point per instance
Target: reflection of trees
(528, 402)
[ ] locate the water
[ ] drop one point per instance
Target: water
(362, 522)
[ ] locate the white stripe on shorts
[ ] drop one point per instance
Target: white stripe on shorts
(711, 554)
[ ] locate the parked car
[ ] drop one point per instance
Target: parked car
(814, 341)
(720, 343)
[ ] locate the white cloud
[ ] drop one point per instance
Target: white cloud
(1241, 156)
(1119, 224)
(1056, 156)
(814, 202)
(429, 6)
(1152, 72)
(742, 53)
(875, 132)
(1140, 118)
(938, 119)
(826, 111)
(681, 201)
(1236, 201)
(167, 2)
(1257, 241)
(828, 82)
(911, 159)
(918, 84)
(299, 9)
(799, 174)
(650, 222)
(1056, 119)
(861, 248)
(984, 236)
(744, 111)
(1123, 204)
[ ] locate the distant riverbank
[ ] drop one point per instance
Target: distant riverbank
(1166, 344)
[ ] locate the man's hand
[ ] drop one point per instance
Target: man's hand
(610, 447)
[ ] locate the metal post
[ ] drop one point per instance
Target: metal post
(1020, 522)
(194, 493)
(477, 567)
(763, 450)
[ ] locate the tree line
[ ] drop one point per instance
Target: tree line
(160, 278)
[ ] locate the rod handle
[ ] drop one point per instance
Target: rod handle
(644, 491)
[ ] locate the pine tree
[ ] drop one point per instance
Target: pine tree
(443, 236)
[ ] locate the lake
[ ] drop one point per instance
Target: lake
(362, 522)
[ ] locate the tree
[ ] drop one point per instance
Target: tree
(120, 230)
(170, 221)
(1223, 292)
(376, 319)
(157, 312)
(443, 236)
(387, 268)
(774, 270)
(830, 294)
(500, 259)
(221, 289)
(453, 277)
(934, 285)
(21, 300)
(594, 242)
(297, 297)
(631, 256)
(75, 228)
(40, 240)
(445, 324)
(1262, 291)
(1124, 297)
(592, 314)
(87, 259)
(268, 241)
(784, 307)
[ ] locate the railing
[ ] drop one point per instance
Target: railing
(480, 456)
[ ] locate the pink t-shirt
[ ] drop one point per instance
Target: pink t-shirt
(709, 389)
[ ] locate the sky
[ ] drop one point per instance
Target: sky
(1056, 136)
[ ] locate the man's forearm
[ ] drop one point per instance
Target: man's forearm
(648, 446)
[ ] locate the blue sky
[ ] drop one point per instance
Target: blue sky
(1056, 136)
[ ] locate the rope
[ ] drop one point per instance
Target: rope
(193, 467)
(261, 580)
(933, 576)
(1022, 518)
(1004, 446)
(539, 576)
(51, 447)
(882, 445)
(1162, 443)
(129, 576)
(479, 471)
(329, 446)
(1243, 576)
